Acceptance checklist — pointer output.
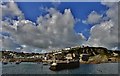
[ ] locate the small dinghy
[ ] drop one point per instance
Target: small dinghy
(17, 62)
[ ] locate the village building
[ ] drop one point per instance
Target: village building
(69, 56)
(115, 54)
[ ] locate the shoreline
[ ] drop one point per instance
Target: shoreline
(49, 61)
(85, 55)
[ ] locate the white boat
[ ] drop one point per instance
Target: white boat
(45, 63)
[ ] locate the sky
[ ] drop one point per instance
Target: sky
(40, 26)
(80, 10)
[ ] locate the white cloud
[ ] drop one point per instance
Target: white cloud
(8, 43)
(93, 18)
(28, 49)
(11, 9)
(106, 32)
(84, 21)
(101, 35)
(54, 30)
(109, 4)
(77, 20)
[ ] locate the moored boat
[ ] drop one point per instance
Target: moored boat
(4, 63)
(17, 62)
(60, 65)
(45, 63)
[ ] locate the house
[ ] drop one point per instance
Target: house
(69, 56)
(67, 49)
(115, 54)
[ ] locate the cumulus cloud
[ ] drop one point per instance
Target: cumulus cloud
(93, 18)
(54, 30)
(101, 35)
(8, 43)
(106, 32)
(11, 10)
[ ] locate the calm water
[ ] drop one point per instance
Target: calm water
(34, 68)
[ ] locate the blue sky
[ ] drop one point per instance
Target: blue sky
(80, 10)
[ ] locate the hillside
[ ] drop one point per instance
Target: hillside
(96, 55)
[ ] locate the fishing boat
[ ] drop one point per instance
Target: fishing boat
(70, 61)
(4, 63)
(68, 64)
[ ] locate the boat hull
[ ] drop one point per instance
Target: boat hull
(17, 62)
(4, 63)
(62, 66)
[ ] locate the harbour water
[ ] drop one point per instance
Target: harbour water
(35, 68)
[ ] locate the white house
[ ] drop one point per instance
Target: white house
(69, 56)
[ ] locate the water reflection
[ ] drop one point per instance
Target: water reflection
(34, 68)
